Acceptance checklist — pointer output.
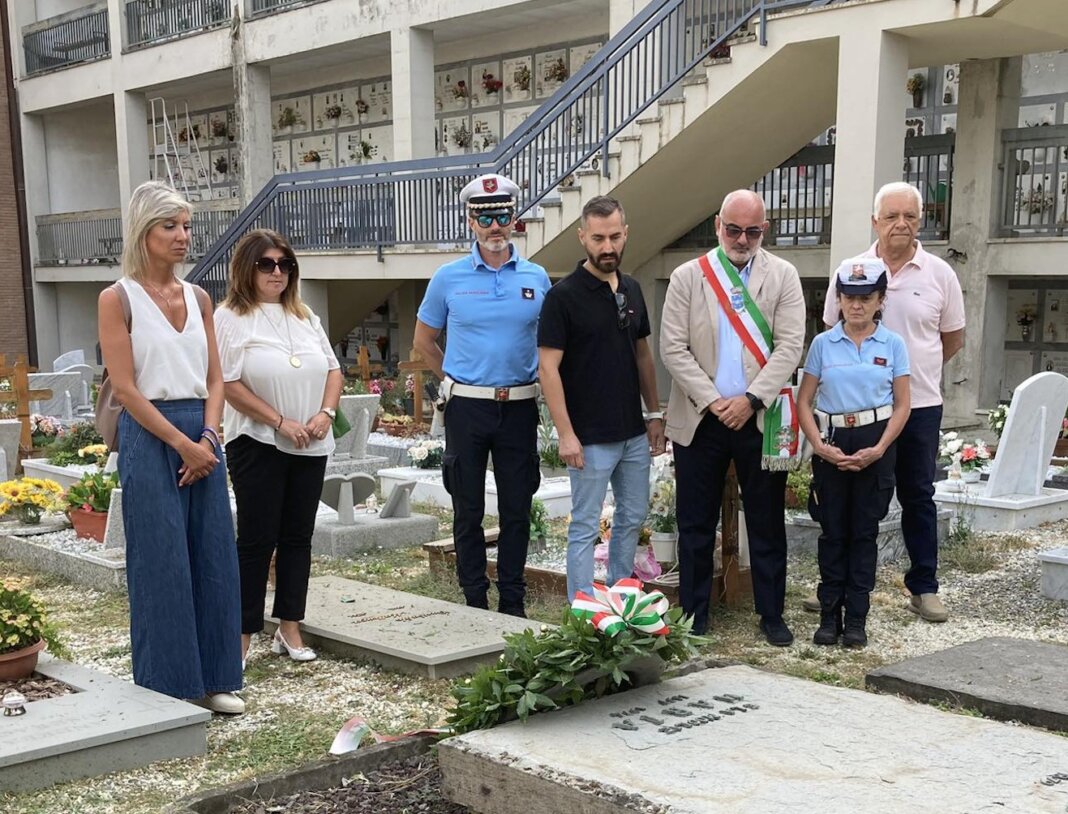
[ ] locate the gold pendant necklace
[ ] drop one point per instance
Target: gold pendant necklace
(294, 360)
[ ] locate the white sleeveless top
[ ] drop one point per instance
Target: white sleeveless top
(168, 365)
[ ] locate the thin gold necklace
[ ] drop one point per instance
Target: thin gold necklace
(160, 294)
(294, 360)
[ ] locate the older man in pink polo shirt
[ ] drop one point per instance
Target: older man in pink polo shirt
(924, 304)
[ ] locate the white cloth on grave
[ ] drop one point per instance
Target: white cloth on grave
(255, 350)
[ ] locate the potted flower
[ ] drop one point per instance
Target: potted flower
(460, 90)
(289, 118)
(965, 459)
(539, 524)
(221, 165)
(915, 85)
(333, 113)
(461, 136)
(427, 454)
(490, 83)
(556, 71)
(26, 499)
(409, 394)
(24, 632)
(362, 107)
(88, 502)
(662, 521)
(44, 429)
(311, 157)
(521, 78)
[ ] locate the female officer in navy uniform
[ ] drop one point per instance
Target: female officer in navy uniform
(858, 375)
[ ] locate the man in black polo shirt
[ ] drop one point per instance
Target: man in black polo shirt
(595, 368)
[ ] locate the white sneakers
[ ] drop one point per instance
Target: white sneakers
(280, 645)
(225, 702)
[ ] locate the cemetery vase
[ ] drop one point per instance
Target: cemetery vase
(89, 525)
(664, 545)
(917, 98)
(970, 476)
(21, 663)
(27, 515)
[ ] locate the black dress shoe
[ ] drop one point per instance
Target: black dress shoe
(855, 634)
(513, 611)
(776, 631)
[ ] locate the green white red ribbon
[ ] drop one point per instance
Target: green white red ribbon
(623, 605)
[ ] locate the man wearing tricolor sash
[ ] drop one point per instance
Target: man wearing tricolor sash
(731, 335)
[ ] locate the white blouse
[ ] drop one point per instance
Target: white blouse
(168, 364)
(255, 350)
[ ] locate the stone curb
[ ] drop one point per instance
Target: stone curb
(322, 774)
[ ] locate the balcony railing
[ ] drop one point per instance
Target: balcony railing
(68, 39)
(257, 8)
(1034, 198)
(152, 21)
(798, 195)
(95, 237)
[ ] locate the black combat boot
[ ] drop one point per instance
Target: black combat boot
(830, 627)
(855, 635)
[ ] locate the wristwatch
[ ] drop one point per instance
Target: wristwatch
(754, 402)
(330, 411)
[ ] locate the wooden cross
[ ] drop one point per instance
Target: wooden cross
(417, 367)
(21, 395)
(733, 587)
(364, 366)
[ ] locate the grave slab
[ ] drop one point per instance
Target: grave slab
(405, 632)
(1055, 573)
(368, 532)
(108, 725)
(348, 465)
(10, 430)
(1004, 513)
(65, 476)
(102, 571)
(555, 493)
(805, 747)
(1004, 678)
(803, 533)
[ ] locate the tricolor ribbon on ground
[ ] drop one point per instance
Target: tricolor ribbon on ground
(623, 605)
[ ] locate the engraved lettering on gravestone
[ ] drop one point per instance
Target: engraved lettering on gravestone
(702, 705)
(627, 725)
(672, 699)
(1055, 779)
(649, 719)
(669, 730)
(726, 712)
(401, 617)
(751, 706)
(677, 712)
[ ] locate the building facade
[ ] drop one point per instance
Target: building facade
(350, 127)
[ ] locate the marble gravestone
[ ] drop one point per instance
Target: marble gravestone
(360, 411)
(349, 532)
(737, 740)
(69, 359)
(1014, 497)
(344, 492)
(1031, 431)
(61, 384)
(81, 398)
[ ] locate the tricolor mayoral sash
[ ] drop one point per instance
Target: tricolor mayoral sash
(780, 419)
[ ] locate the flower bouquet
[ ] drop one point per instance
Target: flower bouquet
(427, 454)
(490, 83)
(26, 499)
(995, 419)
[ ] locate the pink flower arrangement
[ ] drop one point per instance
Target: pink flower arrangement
(409, 384)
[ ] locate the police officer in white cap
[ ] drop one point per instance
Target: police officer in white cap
(488, 304)
(858, 375)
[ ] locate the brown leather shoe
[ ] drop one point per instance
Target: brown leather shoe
(811, 604)
(928, 607)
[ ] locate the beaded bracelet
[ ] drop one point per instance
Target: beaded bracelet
(211, 435)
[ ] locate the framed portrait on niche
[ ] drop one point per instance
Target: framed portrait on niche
(291, 115)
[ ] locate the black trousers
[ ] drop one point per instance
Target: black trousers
(474, 430)
(277, 497)
(700, 472)
(849, 506)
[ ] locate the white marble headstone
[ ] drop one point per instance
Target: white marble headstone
(71, 357)
(343, 492)
(81, 394)
(60, 384)
(115, 531)
(1031, 430)
(360, 411)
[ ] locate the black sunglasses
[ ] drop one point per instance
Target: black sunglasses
(287, 265)
(486, 221)
(734, 232)
(622, 315)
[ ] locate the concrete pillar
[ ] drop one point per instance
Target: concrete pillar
(412, 55)
(988, 102)
(621, 12)
(38, 202)
(870, 142)
(315, 294)
(409, 297)
(131, 143)
(252, 108)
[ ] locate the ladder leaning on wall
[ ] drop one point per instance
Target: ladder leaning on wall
(176, 155)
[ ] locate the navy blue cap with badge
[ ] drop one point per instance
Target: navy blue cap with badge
(859, 276)
(489, 195)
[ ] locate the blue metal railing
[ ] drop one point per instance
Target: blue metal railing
(68, 39)
(415, 202)
(258, 8)
(149, 21)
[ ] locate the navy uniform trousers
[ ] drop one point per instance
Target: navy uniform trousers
(849, 506)
(474, 430)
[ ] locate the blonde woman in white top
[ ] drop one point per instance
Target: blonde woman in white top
(181, 567)
(283, 385)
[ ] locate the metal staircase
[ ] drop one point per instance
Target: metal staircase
(592, 121)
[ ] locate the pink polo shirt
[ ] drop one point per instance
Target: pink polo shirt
(923, 301)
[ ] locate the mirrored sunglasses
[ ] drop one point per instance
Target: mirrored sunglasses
(486, 221)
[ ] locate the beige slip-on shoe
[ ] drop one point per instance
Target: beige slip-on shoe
(928, 607)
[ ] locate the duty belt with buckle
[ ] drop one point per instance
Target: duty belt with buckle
(861, 418)
(517, 392)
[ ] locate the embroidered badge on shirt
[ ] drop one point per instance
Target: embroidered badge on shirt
(528, 293)
(879, 360)
(737, 299)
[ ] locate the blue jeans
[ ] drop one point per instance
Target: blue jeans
(181, 564)
(626, 465)
(917, 449)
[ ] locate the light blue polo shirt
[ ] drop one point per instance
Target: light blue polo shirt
(730, 370)
(851, 378)
(490, 317)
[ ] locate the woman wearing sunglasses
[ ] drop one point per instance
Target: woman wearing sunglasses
(283, 385)
(158, 340)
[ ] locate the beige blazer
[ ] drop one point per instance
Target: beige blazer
(689, 328)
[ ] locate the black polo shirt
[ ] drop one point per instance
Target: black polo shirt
(599, 368)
